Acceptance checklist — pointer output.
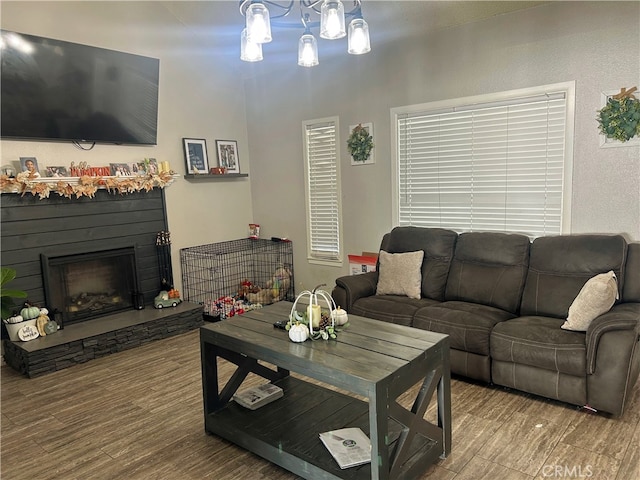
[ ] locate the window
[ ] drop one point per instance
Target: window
(322, 182)
(499, 162)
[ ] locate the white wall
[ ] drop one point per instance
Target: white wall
(198, 99)
(201, 96)
(594, 43)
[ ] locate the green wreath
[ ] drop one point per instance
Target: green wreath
(360, 144)
(620, 118)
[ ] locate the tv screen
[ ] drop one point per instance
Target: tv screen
(55, 90)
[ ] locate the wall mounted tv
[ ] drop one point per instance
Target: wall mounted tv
(54, 90)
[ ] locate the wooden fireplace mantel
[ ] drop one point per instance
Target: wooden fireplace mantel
(83, 186)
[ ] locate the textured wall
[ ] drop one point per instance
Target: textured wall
(594, 44)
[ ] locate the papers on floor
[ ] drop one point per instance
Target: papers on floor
(349, 446)
(257, 397)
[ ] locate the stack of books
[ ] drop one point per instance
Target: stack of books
(349, 446)
(256, 397)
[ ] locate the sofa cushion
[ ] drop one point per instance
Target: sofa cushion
(468, 325)
(596, 297)
(437, 244)
(390, 308)
(540, 342)
(399, 273)
(559, 266)
(489, 268)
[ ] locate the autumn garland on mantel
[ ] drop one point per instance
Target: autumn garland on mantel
(85, 186)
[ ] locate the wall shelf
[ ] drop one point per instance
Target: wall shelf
(207, 176)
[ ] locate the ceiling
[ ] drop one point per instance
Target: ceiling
(219, 22)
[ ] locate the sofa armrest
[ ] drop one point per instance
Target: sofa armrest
(350, 288)
(624, 316)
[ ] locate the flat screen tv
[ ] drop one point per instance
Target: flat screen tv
(54, 90)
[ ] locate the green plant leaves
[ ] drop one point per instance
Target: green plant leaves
(620, 119)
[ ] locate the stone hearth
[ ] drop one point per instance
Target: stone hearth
(97, 338)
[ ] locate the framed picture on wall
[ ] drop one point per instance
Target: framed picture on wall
(195, 155)
(228, 155)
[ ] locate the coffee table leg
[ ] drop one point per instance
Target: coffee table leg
(211, 398)
(379, 426)
(444, 403)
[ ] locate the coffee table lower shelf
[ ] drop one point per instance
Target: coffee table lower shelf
(286, 431)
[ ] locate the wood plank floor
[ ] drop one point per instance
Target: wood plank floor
(138, 415)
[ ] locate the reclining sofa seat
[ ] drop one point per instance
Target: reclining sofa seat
(484, 287)
(528, 350)
(438, 245)
(534, 354)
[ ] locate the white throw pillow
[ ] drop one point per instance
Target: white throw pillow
(400, 274)
(596, 297)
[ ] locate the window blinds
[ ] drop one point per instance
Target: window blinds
(495, 166)
(323, 213)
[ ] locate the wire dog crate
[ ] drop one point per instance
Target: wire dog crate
(230, 277)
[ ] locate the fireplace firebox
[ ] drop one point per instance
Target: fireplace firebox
(88, 285)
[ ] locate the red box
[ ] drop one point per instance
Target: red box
(362, 263)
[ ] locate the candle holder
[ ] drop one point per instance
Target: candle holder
(312, 317)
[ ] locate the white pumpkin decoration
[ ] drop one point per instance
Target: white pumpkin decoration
(340, 316)
(14, 319)
(298, 333)
(44, 311)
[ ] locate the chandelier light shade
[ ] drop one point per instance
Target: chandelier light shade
(258, 23)
(308, 50)
(249, 51)
(358, 42)
(332, 20)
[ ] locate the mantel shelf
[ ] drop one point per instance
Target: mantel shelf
(74, 186)
(207, 176)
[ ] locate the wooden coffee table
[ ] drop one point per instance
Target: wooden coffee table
(375, 361)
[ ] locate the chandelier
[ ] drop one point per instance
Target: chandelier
(331, 23)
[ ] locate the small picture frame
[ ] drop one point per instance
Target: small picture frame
(228, 155)
(30, 164)
(120, 169)
(56, 171)
(195, 155)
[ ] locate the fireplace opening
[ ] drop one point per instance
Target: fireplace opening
(92, 284)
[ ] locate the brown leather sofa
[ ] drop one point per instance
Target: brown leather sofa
(503, 299)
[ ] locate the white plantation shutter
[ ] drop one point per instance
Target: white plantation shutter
(497, 166)
(323, 187)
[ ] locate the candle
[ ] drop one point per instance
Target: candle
(313, 315)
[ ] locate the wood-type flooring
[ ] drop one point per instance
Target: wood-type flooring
(138, 414)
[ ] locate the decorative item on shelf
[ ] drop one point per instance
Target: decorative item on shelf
(320, 324)
(8, 171)
(620, 117)
(360, 144)
(217, 170)
(228, 155)
(195, 155)
(254, 231)
(30, 165)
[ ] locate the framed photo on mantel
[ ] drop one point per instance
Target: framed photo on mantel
(195, 155)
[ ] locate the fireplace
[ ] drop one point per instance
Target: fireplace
(88, 285)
